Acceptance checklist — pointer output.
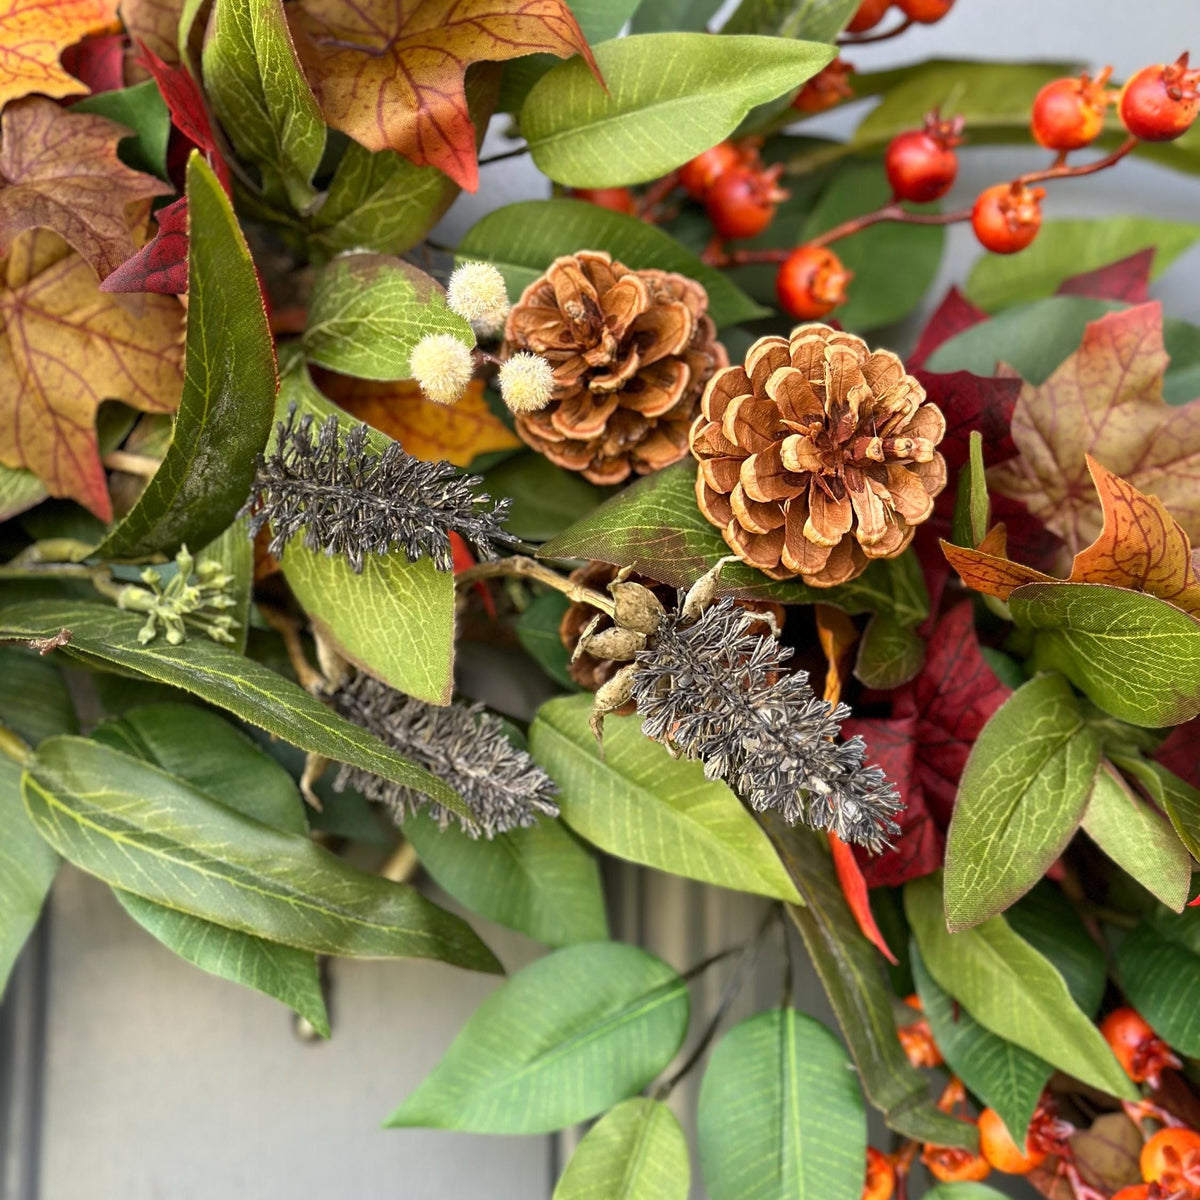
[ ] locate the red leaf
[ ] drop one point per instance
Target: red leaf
(1128, 280)
(1180, 753)
(854, 888)
(953, 315)
(970, 402)
(182, 95)
(161, 265)
(98, 62)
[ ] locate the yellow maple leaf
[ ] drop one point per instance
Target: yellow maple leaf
(33, 33)
(65, 347)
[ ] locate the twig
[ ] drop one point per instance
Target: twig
(655, 194)
(288, 628)
(99, 577)
(529, 568)
(130, 463)
(866, 39)
(401, 863)
(1060, 170)
(494, 158)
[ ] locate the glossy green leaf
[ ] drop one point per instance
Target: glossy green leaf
(889, 654)
(608, 1017)
(1161, 979)
(537, 630)
(143, 111)
(635, 1152)
(228, 389)
(963, 1191)
(1022, 793)
(816, 20)
(1011, 990)
(655, 527)
(851, 971)
(234, 550)
(545, 499)
(108, 637)
(1070, 247)
(972, 509)
(368, 311)
(34, 701)
(253, 79)
(1137, 839)
(639, 803)
(539, 880)
(1176, 797)
(662, 16)
(147, 832)
(522, 240)
(669, 97)
(1002, 1075)
(780, 1113)
(1133, 655)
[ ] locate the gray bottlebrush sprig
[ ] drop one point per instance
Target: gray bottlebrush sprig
(462, 744)
(711, 690)
(351, 501)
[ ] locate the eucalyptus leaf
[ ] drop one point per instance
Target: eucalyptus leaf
(639, 803)
(34, 702)
(889, 653)
(143, 111)
(817, 20)
(1161, 979)
(780, 1113)
(609, 1017)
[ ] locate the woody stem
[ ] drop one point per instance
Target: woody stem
(1060, 170)
(868, 38)
(520, 566)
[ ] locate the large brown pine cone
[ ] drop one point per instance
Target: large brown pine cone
(631, 352)
(817, 456)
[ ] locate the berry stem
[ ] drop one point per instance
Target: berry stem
(866, 38)
(1060, 170)
(653, 197)
(889, 212)
(494, 158)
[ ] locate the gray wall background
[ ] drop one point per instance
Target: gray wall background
(138, 1077)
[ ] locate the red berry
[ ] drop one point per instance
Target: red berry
(1006, 217)
(880, 1182)
(1159, 103)
(741, 201)
(1135, 1191)
(925, 12)
(826, 88)
(921, 165)
(952, 1165)
(1069, 113)
(869, 14)
(1142, 1053)
(615, 198)
(811, 282)
(698, 175)
(1171, 1158)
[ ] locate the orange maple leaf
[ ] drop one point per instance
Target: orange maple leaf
(390, 72)
(33, 33)
(65, 347)
(1105, 400)
(59, 170)
(457, 433)
(1140, 547)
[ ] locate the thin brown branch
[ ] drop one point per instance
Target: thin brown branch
(518, 566)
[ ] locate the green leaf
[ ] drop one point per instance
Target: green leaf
(368, 311)
(1011, 990)
(851, 971)
(545, 498)
(655, 527)
(663, 16)
(972, 509)
(1070, 247)
(539, 881)
(34, 701)
(228, 389)
(889, 654)
(19, 490)
(27, 869)
(1023, 791)
(1133, 655)
(108, 637)
(537, 630)
(635, 1152)
(669, 97)
(142, 110)
(963, 1191)
(140, 829)
(1002, 1075)
(234, 550)
(1137, 839)
(639, 803)
(780, 1114)
(253, 79)
(893, 264)
(522, 240)
(562, 1040)
(816, 20)
(1177, 798)
(1161, 979)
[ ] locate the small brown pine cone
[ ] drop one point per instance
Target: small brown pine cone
(817, 456)
(631, 353)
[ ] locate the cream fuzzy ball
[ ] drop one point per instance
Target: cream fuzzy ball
(443, 367)
(526, 382)
(477, 292)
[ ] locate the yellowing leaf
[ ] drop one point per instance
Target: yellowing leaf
(457, 433)
(60, 171)
(65, 347)
(33, 33)
(154, 24)
(390, 72)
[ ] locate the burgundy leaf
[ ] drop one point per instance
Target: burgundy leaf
(161, 265)
(971, 402)
(98, 62)
(1180, 753)
(953, 315)
(1128, 280)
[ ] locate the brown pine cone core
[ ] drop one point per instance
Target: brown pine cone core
(817, 455)
(631, 352)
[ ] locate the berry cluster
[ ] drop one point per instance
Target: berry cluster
(920, 12)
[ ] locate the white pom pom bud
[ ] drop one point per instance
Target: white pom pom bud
(526, 382)
(476, 291)
(443, 367)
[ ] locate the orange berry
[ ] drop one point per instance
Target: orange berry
(826, 89)
(1069, 113)
(741, 202)
(952, 1165)
(1142, 1053)
(1135, 1191)
(811, 282)
(869, 14)
(618, 199)
(922, 1050)
(921, 164)
(1006, 218)
(881, 1176)
(1160, 102)
(1171, 1158)
(698, 175)
(998, 1147)
(925, 12)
